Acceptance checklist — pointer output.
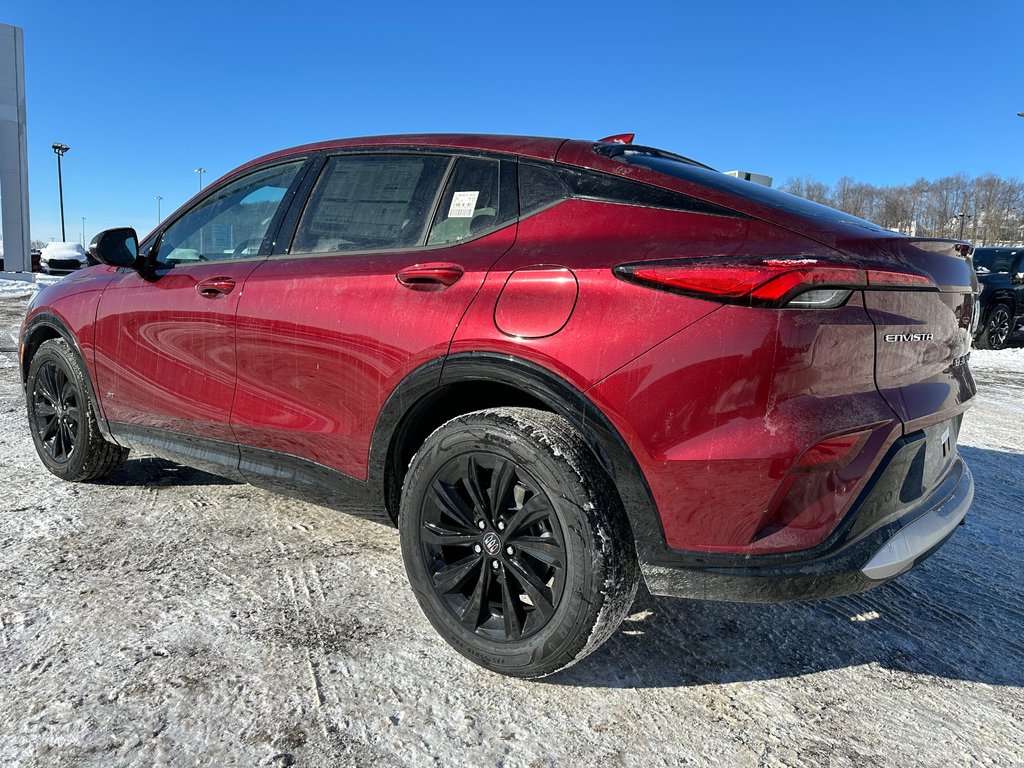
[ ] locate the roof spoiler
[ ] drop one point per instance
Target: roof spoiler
(618, 138)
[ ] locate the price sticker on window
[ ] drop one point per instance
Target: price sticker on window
(463, 205)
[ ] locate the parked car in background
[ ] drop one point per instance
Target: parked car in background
(558, 364)
(1001, 278)
(35, 253)
(62, 258)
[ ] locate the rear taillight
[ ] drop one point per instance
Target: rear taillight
(795, 283)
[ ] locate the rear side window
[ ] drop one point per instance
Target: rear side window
(471, 202)
(544, 185)
(539, 187)
(369, 202)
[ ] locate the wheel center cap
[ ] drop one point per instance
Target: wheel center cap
(492, 543)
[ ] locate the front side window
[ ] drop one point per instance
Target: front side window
(370, 202)
(469, 205)
(230, 223)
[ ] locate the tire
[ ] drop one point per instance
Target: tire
(515, 542)
(998, 326)
(62, 417)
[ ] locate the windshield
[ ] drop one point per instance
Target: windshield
(993, 260)
(755, 192)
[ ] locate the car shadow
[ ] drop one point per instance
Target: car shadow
(959, 615)
(152, 471)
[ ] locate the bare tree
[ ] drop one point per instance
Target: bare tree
(987, 210)
(809, 188)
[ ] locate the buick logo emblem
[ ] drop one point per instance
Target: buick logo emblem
(492, 543)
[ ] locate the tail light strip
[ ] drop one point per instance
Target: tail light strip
(772, 282)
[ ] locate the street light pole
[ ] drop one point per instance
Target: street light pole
(59, 149)
(83, 231)
(964, 215)
(158, 218)
(200, 171)
(962, 203)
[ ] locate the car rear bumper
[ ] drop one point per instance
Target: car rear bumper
(881, 539)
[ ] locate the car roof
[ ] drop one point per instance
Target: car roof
(539, 147)
(825, 225)
(59, 246)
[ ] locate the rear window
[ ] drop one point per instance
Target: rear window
(992, 260)
(543, 185)
(757, 193)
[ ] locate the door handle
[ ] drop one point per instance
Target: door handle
(215, 286)
(430, 277)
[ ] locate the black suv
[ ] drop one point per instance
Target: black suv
(1001, 276)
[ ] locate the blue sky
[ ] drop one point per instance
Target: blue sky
(143, 93)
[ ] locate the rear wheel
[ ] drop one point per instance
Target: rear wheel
(515, 542)
(997, 328)
(63, 418)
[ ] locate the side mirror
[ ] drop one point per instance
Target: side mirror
(1018, 278)
(116, 247)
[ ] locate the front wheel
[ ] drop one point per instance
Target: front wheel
(63, 419)
(515, 542)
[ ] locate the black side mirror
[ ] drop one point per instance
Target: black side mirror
(116, 247)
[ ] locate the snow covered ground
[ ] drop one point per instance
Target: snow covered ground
(19, 289)
(167, 617)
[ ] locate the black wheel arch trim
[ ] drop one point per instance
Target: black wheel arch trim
(54, 323)
(416, 391)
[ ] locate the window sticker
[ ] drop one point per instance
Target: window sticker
(463, 205)
(222, 236)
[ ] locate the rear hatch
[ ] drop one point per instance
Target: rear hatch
(923, 337)
(923, 332)
(923, 318)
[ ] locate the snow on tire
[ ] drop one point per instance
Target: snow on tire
(515, 541)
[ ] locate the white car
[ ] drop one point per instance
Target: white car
(62, 258)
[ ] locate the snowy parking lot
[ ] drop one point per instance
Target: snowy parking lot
(167, 617)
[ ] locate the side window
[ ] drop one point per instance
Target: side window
(538, 188)
(470, 203)
(231, 222)
(368, 202)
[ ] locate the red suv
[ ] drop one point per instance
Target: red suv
(558, 364)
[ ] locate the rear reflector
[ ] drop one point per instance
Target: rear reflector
(833, 453)
(799, 283)
(880, 278)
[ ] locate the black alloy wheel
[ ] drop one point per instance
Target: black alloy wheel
(996, 331)
(515, 541)
(998, 327)
(492, 544)
(62, 416)
(57, 411)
